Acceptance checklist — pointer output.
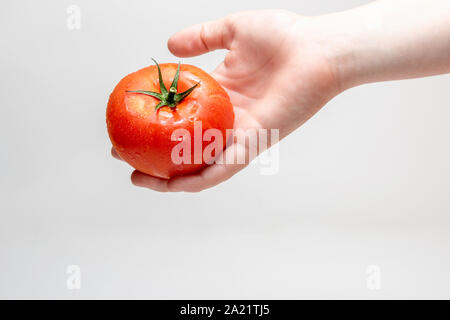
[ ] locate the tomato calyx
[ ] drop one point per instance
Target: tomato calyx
(169, 97)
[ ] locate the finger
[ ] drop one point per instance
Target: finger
(145, 181)
(115, 154)
(201, 38)
(212, 175)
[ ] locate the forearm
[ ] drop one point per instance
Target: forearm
(390, 40)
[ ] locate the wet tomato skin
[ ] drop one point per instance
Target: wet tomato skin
(141, 135)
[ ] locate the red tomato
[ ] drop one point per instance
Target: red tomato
(142, 115)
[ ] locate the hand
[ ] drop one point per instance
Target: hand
(281, 68)
(275, 72)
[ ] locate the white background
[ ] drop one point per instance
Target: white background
(365, 182)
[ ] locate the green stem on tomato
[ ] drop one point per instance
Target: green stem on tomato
(167, 98)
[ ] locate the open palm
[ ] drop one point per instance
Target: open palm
(275, 75)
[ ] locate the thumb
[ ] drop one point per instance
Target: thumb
(201, 38)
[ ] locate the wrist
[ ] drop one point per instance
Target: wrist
(328, 43)
(345, 40)
(342, 50)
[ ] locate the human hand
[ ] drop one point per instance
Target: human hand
(275, 75)
(281, 68)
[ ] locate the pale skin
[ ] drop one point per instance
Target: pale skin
(281, 68)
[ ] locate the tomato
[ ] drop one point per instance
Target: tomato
(142, 114)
